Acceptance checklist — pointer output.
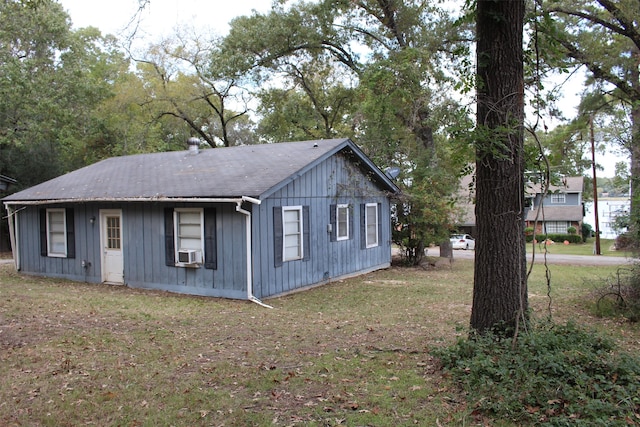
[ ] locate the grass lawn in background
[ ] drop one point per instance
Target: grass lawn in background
(353, 352)
(588, 248)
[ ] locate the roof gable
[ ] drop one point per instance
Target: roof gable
(251, 170)
(569, 184)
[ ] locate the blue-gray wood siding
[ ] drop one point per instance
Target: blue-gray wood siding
(86, 245)
(335, 181)
(571, 199)
(143, 250)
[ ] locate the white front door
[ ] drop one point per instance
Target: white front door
(111, 243)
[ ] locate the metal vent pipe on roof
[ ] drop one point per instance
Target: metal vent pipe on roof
(194, 145)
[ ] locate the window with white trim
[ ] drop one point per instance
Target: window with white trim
(189, 231)
(56, 233)
(556, 227)
(371, 224)
(558, 198)
(114, 235)
(292, 236)
(342, 222)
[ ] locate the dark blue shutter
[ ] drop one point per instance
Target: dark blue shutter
(277, 236)
(210, 247)
(43, 232)
(363, 226)
(169, 249)
(71, 234)
(306, 240)
(333, 220)
(351, 214)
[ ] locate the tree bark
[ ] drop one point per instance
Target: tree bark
(500, 289)
(446, 250)
(635, 154)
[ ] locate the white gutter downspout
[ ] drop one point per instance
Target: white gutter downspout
(247, 222)
(11, 217)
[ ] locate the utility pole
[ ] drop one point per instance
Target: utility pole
(595, 187)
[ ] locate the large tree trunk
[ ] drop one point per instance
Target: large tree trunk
(500, 290)
(635, 159)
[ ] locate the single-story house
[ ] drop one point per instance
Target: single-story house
(245, 222)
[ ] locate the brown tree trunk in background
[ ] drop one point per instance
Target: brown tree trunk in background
(635, 169)
(500, 289)
(446, 250)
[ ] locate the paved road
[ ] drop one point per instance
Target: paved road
(540, 258)
(550, 258)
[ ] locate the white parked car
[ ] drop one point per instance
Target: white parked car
(462, 241)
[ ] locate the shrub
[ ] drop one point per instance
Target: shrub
(558, 238)
(539, 238)
(554, 375)
(587, 231)
(626, 241)
(620, 295)
(572, 238)
(572, 230)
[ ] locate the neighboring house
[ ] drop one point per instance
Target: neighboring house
(561, 208)
(466, 208)
(6, 182)
(609, 209)
(243, 222)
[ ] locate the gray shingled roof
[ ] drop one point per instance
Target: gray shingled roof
(571, 184)
(250, 170)
(557, 213)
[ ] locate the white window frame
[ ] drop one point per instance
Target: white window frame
(552, 227)
(51, 232)
(177, 237)
(368, 224)
(289, 235)
(342, 227)
(558, 198)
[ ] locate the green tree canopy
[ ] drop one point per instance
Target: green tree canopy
(378, 71)
(51, 80)
(603, 37)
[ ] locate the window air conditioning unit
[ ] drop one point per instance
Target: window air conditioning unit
(188, 256)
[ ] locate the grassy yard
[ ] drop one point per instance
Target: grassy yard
(588, 248)
(354, 352)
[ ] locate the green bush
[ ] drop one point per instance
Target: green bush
(555, 375)
(539, 237)
(620, 295)
(558, 238)
(626, 241)
(572, 238)
(572, 230)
